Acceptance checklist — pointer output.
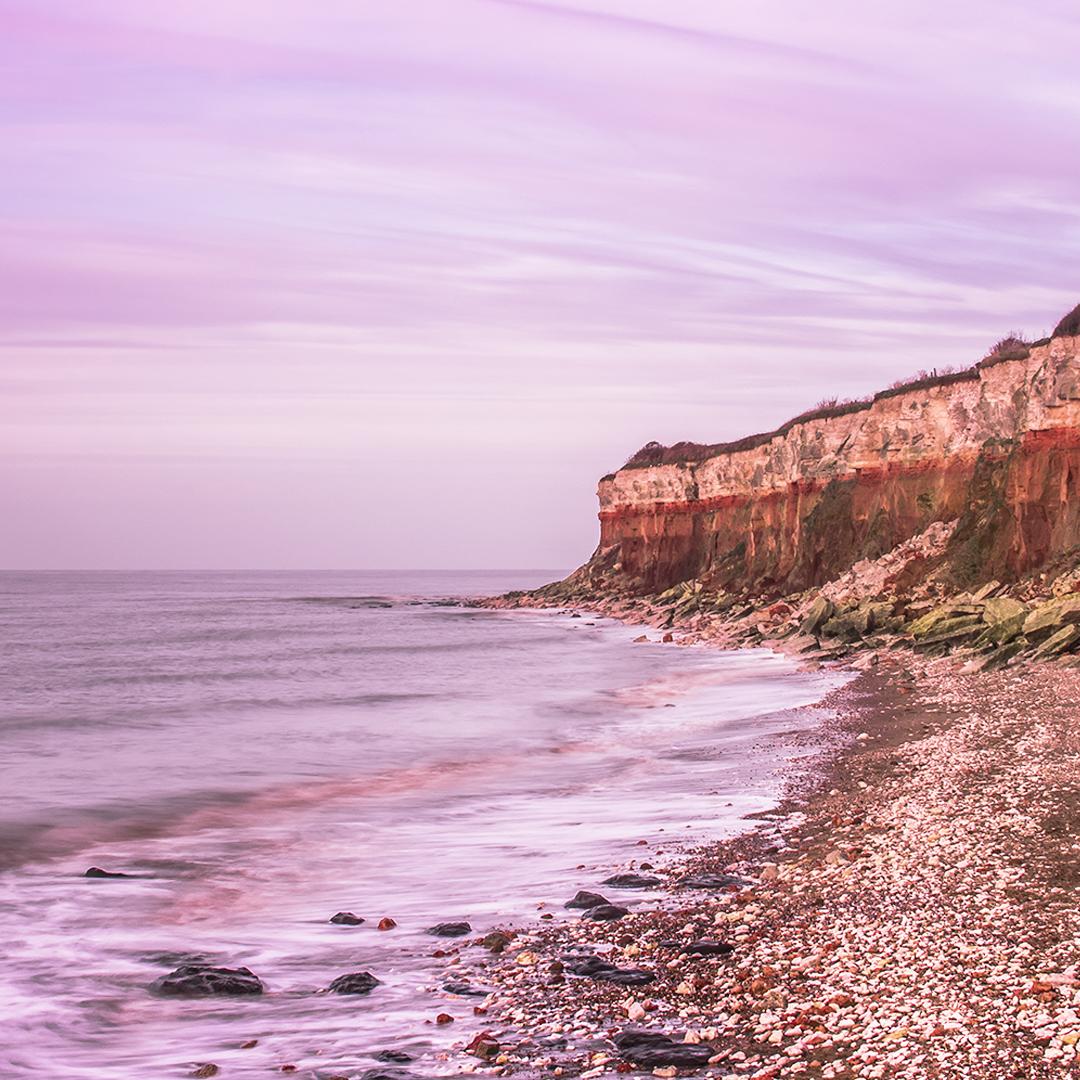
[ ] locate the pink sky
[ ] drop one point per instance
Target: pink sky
(345, 283)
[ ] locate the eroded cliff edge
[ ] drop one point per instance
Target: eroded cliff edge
(997, 450)
(994, 448)
(893, 514)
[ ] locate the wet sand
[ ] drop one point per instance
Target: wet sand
(908, 911)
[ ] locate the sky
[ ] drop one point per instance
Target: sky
(346, 283)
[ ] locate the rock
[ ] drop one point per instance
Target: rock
(1000, 608)
(197, 980)
(97, 872)
(952, 631)
(708, 948)
(484, 1046)
(653, 1049)
(601, 970)
(1048, 618)
(357, 982)
(816, 615)
(387, 924)
(585, 899)
(632, 881)
(450, 929)
(714, 881)
(384, 1074)
(1004, 630)
(496, 941)
(625, 976)
(1058, 643)
(346, 918)
(464, 989)
(605, 913)
(641, 639)
(397, 1057)
(443, 1019)
(204, 1071)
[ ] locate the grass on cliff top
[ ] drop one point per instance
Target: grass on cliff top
(1011, 347)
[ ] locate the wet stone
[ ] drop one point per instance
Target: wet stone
(97, 872)
(464, 989)
(714, 881)
(357, 982)
(601, 970)
(708, 948)
(605, 913)
(450, 929)
(202, 979)
(346, 918)
(632, 881)
(585, 899)
(653, 1049)
(396, 1057)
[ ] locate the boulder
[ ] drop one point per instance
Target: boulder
(817, 614)
(632, 881)
(605, 913)
(999, 608)
(1050, 617)
(97, 872)
(714, 881)
(953, 631)
(357, 982)
(601, 970)
(708, 948)
(201, 980)
(450, 929)
(346, 918)
(1058, 643)
(652, 1049)
(584, 899)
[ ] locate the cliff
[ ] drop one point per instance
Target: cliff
(994, 449)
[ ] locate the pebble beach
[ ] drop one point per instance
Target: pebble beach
(907, 910)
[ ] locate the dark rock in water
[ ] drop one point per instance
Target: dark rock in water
(201, 979)
(450, 929)
(585, 899)
(605, 913)
(714, 881)
(601, 970)
(651, 1049)
(397, 1057)
(632, 881)
(708, 948)
(384, 1074)
(346, 918)
(97, 872)
(358, 982)
(465, 989)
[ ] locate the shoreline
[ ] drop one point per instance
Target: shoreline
(900, 915)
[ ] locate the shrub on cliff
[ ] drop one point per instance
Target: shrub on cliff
(1070, 325)
(1010, 347)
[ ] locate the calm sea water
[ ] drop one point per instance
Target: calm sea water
(262, 750)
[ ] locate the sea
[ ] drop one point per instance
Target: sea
(257, 751)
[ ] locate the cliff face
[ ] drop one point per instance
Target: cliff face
(996, 449)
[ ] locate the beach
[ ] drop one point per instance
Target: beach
(906, 912)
